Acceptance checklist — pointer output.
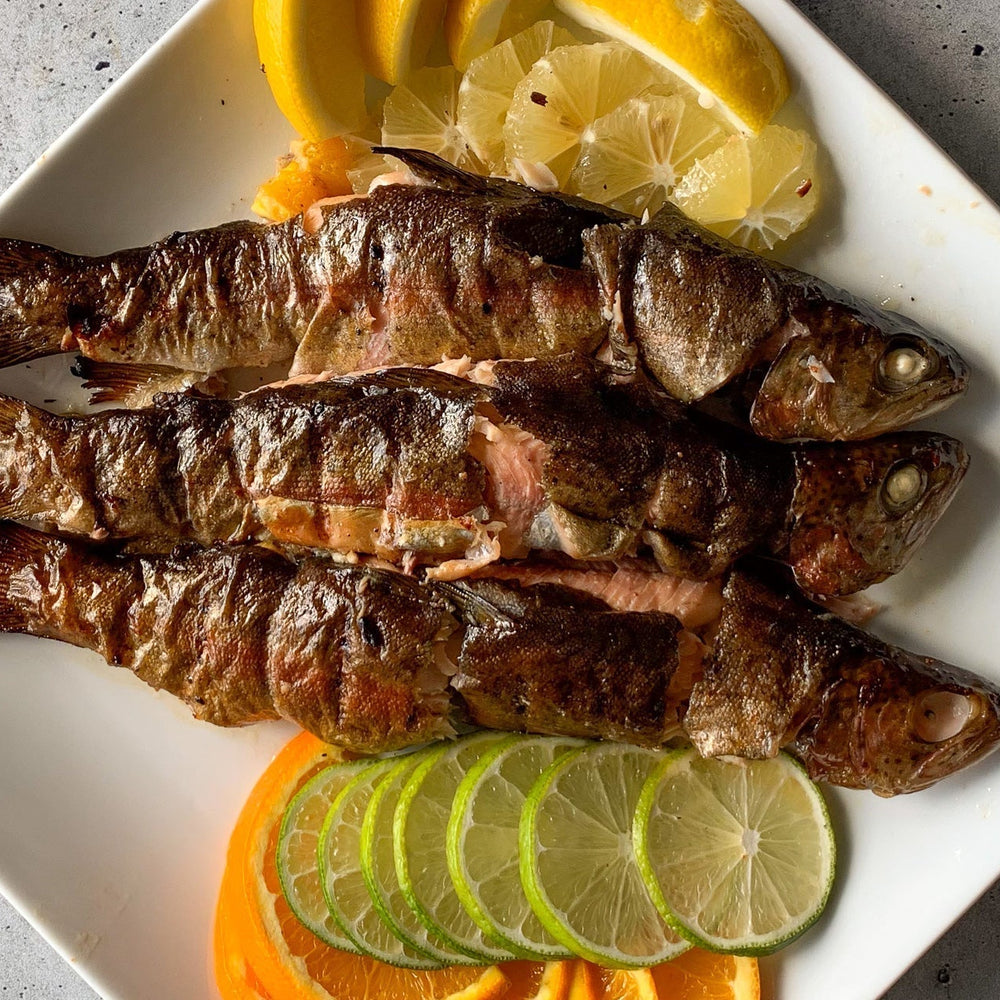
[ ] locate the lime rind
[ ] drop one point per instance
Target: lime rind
(339, 858)
(298, 837)
(379, 870)
(727, 886)
(527, 937)
(419, 827)
(604, 875)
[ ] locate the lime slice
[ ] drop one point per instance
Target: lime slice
(298, 841)
(339, 855)
(419, 831)
(577, 864)
(483, 848)
(737, 854)
(379, 867)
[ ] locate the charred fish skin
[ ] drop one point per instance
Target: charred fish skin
(375, 660)
(702, 311)
(385, 464)
(856, 711)
(242, 634)
(236, 294)
(463, 265)
(627, 465)
(407, 275)
(546, 659)
(305, 464)
(419, 466)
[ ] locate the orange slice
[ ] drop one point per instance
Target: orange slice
(261, 948)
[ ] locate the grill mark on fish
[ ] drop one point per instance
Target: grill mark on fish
(242, 635)
(460, 264)
(374, 660)
(397, 463)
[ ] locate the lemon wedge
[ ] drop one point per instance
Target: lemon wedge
(632, 157)
(714, 45)
(473, 26)
(311, 55)
(563, 94)
(422, 113)
(488, 86)
(754, 190)
(397, 34)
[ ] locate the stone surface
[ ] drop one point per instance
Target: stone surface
(939, 61)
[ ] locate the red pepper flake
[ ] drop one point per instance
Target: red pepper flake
(540, 99)
(804, 188)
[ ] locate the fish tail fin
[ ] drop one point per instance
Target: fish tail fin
(34, 301)
(20, 549)
(23, 428)
(135, 385)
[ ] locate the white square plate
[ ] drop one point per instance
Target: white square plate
(115, 806)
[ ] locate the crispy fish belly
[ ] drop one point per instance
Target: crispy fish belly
(462, 265)
(856, 711)
(420, 466)
(374, 660)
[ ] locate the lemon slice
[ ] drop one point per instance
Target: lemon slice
(565, 92)
(632, 157)
(397, 34)
(422, 113)
(754, 190)
(489, 83)
(714, 45)
(311, 55)
(738, 855)
(472, 26)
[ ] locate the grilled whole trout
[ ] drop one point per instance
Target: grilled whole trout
(374, 660)
(458, 264)
(420, 466)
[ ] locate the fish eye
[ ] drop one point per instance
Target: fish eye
(940, 715)
(903, 486)
(904, 364)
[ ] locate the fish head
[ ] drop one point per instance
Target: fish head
(897, 723)
(849, 372)
(859, 510)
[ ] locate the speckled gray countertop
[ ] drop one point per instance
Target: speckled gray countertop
(939, 61)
